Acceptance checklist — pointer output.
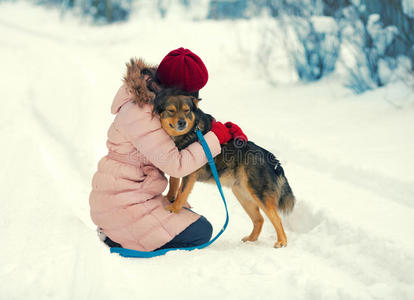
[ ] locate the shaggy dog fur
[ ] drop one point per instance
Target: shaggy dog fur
(254, 174)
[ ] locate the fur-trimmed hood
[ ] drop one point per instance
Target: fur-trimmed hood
(134, 88)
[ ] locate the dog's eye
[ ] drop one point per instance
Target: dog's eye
(171, 111)
(186, 110)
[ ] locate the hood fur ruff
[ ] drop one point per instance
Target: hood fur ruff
(134, 80)
(134, 86)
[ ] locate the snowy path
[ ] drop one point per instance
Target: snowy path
(348, 159)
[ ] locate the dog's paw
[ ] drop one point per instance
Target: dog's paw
(280, 244)
(249, 239)
(173, 208)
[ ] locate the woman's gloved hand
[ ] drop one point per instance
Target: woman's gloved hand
(236, 131)
(221, 131)
(227, 131)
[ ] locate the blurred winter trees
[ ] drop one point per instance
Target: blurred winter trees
(375, 38)
(380, 37)
(369, 41)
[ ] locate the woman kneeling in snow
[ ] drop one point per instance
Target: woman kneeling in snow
(126, 201)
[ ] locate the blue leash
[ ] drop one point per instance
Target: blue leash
(144, 254)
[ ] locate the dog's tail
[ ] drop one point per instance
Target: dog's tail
(286, 198)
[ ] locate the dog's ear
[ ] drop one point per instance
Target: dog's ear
(158, 104)
(195, 101)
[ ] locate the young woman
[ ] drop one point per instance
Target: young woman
(126, 202)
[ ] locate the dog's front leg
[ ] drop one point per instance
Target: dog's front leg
(186, 187)
(172, 192)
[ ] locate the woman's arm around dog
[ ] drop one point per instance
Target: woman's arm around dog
(144, 131)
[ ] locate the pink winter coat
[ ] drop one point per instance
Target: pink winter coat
(126, 200)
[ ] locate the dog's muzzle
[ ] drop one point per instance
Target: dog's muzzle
(181, 125)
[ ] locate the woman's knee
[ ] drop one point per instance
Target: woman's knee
(204, 229)
(196, 234)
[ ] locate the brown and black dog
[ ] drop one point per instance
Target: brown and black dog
(254, 174)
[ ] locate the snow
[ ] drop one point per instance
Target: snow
(325, 24)
(382, 37)
(348, 159)
(408, 7)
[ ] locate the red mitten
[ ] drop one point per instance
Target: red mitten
(221, 131)
(236, 131)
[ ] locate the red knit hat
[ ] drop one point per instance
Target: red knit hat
(183, 69)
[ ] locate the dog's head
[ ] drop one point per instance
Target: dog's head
(176, 109)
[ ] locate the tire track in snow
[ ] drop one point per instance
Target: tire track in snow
(59, 140)
(360, 254)
(384, 186)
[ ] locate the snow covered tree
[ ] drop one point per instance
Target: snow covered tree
(227, 9)
(379, 41)
(313, 45)
(312, 40)
(101, 11)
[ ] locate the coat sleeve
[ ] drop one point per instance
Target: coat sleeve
(144, 131)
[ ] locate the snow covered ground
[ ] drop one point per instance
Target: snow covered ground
(349, 160)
